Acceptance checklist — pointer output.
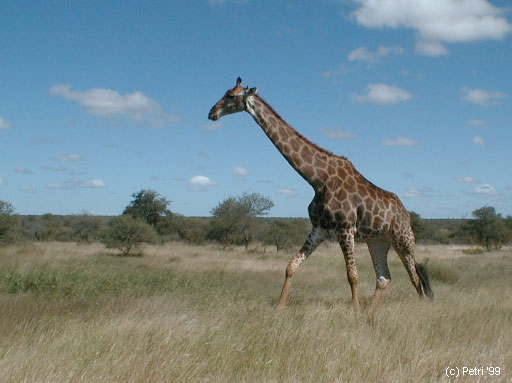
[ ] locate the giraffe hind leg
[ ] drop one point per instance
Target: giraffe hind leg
(410, 264)
(314, 239)
(379, 253)
(424, 279)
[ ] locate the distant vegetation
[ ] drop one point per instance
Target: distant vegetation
(238, 220)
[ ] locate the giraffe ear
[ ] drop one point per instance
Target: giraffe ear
(252, 91)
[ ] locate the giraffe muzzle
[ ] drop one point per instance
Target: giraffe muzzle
(213, 115)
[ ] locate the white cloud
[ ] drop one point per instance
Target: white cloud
(4, 124)
(91, 183)
(200, 183)
(399, 141)
(214, 125)
(336, 75)
(55, 169)
(239, 172)
(23, 171)
(424, 191)
(106, 102)
(67, 157)
(364, 54)
(43, 140)
(485, 189)
(466, 180)
(411, 193)
(482, 97)
(476, 122)
(479, 141)
(26, 189)
(431, 48)
(382, 94)
(436, 21)
(288, 192)
(339, 133)
(54, 186)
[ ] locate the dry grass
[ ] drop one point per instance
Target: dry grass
(200, 314)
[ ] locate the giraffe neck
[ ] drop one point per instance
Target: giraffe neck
(309, 160)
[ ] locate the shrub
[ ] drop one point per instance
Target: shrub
(427, 232)
(235, 218)
(285, 233)
(8, 222)
(127, 235)
(85, 227)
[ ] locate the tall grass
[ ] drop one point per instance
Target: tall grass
(199, 314)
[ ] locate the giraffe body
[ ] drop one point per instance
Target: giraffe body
(346, 205)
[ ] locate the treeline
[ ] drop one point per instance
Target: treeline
(239, 220)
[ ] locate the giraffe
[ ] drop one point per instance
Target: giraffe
(345, 206)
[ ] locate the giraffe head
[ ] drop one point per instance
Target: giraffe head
(234, 101)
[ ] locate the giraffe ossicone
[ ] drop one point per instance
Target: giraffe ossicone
(346, 205)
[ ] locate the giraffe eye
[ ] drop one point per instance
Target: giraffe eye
(230, 96)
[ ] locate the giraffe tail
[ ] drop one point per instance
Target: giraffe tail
(425, 283)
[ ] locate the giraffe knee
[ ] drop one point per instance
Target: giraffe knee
(290, 270)
(352, 277)
(294, 265)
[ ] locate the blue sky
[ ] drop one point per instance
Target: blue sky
(100, 99)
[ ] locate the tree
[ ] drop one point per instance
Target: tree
(236, 216)
(127, 234)
(149, 206)
(487, 228)
(284, 233)
(8, 222)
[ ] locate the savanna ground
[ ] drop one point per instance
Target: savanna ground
(185, 313)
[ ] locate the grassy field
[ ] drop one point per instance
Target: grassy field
(186, 313)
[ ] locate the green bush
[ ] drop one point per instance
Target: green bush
(285, 233)
(234, 219)
(8, 222)
(127, 235)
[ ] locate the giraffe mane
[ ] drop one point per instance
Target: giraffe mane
(302, 137)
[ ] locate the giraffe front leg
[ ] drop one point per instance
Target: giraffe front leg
(347, 244)
(290, 271)
(314, 239)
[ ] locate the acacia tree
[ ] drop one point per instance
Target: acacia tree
(149, 206)
(236, 216)
(487, 228)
